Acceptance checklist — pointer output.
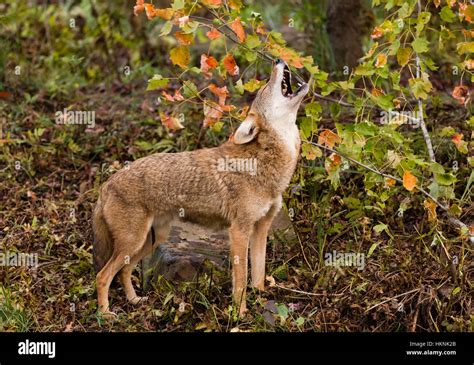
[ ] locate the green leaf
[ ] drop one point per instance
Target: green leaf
(313, 110)
(372, 248)
(282, 311)
(364, 69)
(447, 14)
(253, 85)
(178, 4)
(445, 179)
(393, 49)
(252, 41)
(190, 90)
(436, 168)
(239, 87)
(156, 82)
(380, 227)
(420, 45)
(420, 87)
(403, 56)
(166, 29)
(366, 128)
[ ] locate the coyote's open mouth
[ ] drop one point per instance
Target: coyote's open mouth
(286, 88)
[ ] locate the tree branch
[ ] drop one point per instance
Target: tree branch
(451, 219)
(421, 119)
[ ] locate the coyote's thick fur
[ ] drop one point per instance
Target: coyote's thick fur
(198, 186)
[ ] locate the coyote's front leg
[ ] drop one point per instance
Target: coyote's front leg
(239, 245)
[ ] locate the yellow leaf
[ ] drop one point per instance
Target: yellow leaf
(430, 206)
(180, 56)
(409, 180)
(381, 60)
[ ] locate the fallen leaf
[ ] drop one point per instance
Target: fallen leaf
(409, 180)
(430, 206)
(389, 182)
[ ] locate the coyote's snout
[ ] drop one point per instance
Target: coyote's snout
(237, 185)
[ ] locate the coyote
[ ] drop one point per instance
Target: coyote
(137, 204)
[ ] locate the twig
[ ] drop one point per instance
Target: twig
(304, 292)
(421, 119)
(389, 299)
(451, 219)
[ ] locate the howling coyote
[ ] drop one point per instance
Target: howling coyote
(137, 204)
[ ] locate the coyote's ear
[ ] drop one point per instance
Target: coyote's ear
(246, 131)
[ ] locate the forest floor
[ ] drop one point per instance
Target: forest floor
(49, 179)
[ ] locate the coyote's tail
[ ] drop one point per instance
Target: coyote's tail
(103, 245)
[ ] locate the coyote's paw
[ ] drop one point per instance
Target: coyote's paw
(138, 300)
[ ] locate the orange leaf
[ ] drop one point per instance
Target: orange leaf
(213, 34)
(328, 138)
(170, 122)
(409, 180)
(467, 12)
(376, 33)
(165, 14)
(332, 163)
(237, 27)
(461, 93)
(150, 11)
(389, 182)
(430, 206)
(212, 3)
(212, 114)
(457, 139)
(381, 60)
(469, 64)
(208, 63)
(167, 96)
(137, 9)
(288, 55)
(183, 38)
(178, 96)
(230, 65)
(221, 93)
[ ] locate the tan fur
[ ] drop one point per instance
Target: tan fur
(156, 189)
